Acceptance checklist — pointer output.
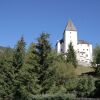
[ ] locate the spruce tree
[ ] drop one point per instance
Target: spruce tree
(6, 75)
(29, 70)
(19, 54)
(44, 61)
(71, 56)
(96, 59)
(17, 63)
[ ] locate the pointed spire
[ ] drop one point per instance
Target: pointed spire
(70, 26)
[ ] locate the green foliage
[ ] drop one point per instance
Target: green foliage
(71, 85)
(96, 54)
(26, 84)
(71, 55)
(85, 86)
(19, 53)
(97, 90)
(17, 63)
(41, 74)
(6, 75)
(63, 70)
(96, 59)
(44, 61)
(54, 97)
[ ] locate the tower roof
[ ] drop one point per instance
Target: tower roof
(70, 26)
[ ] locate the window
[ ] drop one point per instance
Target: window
(87, 49)
(83, 49)
(86, 55)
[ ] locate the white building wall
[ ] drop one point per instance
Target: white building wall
(91, 53)
(58, 47)
(84, 54)
(70, 36)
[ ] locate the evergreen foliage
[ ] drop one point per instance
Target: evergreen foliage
(71, 55)
(96, 54)
(96, 59)
(17, 63)
(41, 74)
(44, 61)
(19, 54)
(6, 75)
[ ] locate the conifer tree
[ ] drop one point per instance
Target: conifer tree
(44, 60)
(17, 63)
(30, 70)
(19, 54)
(96, 59)
(71, 56)
(6, 75)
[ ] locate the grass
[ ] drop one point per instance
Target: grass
(81, 69)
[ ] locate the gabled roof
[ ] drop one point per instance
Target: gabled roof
(70, 26)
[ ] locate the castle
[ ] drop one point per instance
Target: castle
(82, 48)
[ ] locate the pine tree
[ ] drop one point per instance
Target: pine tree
(96, 59)
(71, 56)
(44, 60)
(6, 75)
(19, 54)
(30, 70)
(17, 63)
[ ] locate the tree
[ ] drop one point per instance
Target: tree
(6, 75)
(19, 54)
(44, 61)
(63, 72)
(17, 63)
(96, 53)
(71, 56)
(96, 59)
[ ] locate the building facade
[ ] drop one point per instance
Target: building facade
(82, 48)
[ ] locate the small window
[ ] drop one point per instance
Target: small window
(87, 55)
(83, 49)
(87, 49)
(70, 32)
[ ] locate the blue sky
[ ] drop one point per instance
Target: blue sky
(31, 17)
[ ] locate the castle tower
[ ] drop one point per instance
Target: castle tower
(70, 35)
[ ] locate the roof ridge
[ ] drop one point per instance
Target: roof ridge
(70, 26)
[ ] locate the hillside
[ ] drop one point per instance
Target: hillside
(82, 70)
(4, 50)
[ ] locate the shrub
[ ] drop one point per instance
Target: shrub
(97, 90)
(85, 86)
(71, 85)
